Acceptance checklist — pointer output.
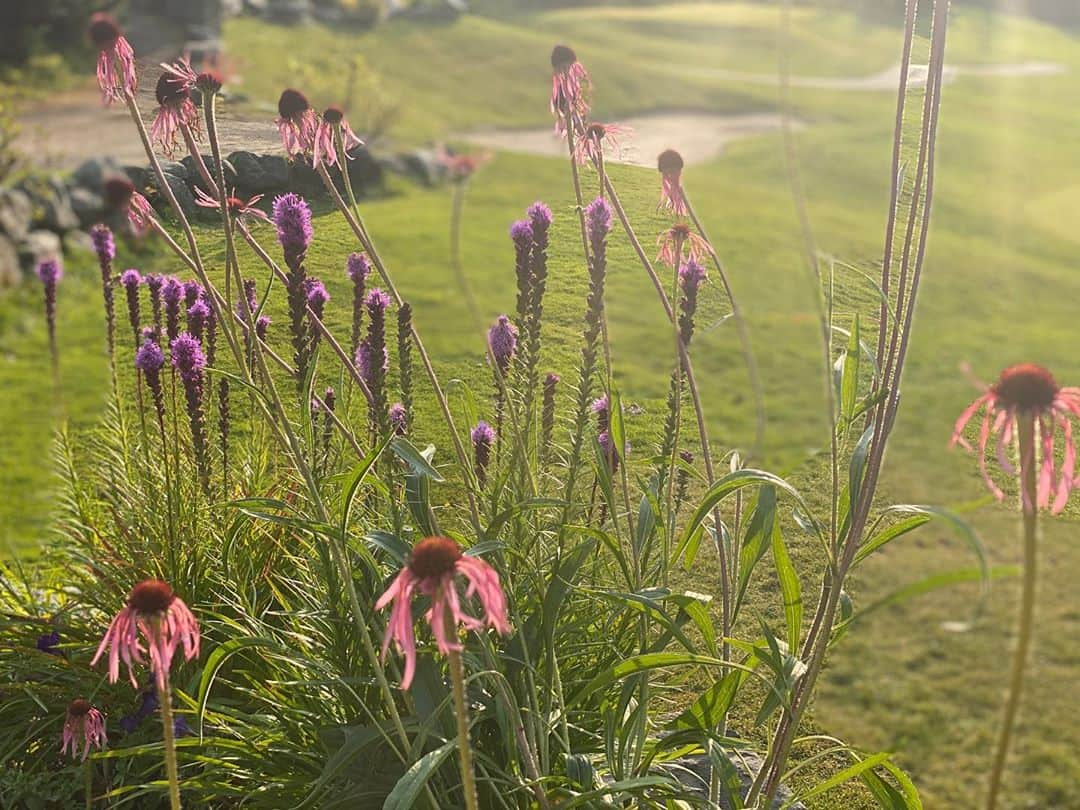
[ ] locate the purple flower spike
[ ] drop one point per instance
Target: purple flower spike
(483, 437)
(104, 244)
(189, 360)
(187, 355)
(691, 276)
(376, 301)
(358, 268)
(131, 277)
(261, 325)
(502, 340)
(598, 218)
(293, 219)
(50, 272)
(398, 419)
(198, 315)
(193, 291)
(172, 290)
(317, 296)
(522, 232)
(149, 358)
(540, 217)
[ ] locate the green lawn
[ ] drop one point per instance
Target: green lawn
(1000, 287)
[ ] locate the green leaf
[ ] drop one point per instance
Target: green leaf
(790, 588)
(713, 704)
(409, 786)
(625, 785)
(216, 660)
(420, 462)
(759, 531)
(849, 381)
(642, 663)
(889, 534)
(838, 779)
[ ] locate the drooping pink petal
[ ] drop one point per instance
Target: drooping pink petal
(965, 417)
(1046, 473)
(484, 583)
(984, 437)
(1068, 469)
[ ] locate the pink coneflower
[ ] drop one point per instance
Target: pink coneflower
(670, 165)
(175, 107)
(461, 166)
(432, 567)
(596, 138)
(678, 244)
(325, 150)
(570, 88)
(85, 724)
(166, 624)
(296, 122)
(239, 208)
(120, 197)
(1027, 389)
(116, 60)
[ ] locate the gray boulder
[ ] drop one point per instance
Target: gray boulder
(10, 273)
(694, 771)
(423, 165)
(78, 242)
(195, 178)
(181, 190)
(87, 205)
(51, 203)
(16, 211)
(257, 174)
(288, 12)
(182, 169)
(38, 246)
(92, 174)
(139, 177)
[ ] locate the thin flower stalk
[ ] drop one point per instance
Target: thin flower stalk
(105, 248)
(50, 272)
(404, 358)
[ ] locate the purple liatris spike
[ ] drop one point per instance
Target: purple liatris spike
(262, 324)
(153, 282)
(540, 219)
(292, 216)
(399, 419)
(483, 437)
(192, 292)
(172, 291)
(248, 302)
(50, 272)
(330, 403)
(521, 232)
(602, 408)
(358, 268)
(691, 277)
(149, 359)
(373, 357)
(502, 340)
(198, 316)
(317, 297)
(608, 451)
(598, 219)
(188, 359)
(130, 279)
(105, 248)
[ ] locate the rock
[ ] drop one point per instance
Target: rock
(38, 246)
(10, 272)
(193, 176)
(693, 773)
(140, 177)
(87, 205)
(424, 166)
(288, 12)
(92, 174)
(183, 169)
(303, 179)
(181, 190)
(259, 174)
(365, 173)
(15, 213)
(51, 203)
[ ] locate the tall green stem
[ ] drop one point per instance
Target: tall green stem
(171, 771)
(461, 713)
(1025, 429)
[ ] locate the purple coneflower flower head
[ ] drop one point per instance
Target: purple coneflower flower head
(1031, 391)
(296, 122)
(325, 150)
(679, 243)
(82, 724)
(165, 623)
(292, 216)
(175, 107)
(483, 437)
(433, 566)
(239, 208)
(570, 88)
(399, 419)
(596, 138)
(502, 340)
(49, 643)
(104, 244)
(116, 60)
(670, 165)
(198, 316)
(149, 358)
(187, 355)
(598, 219)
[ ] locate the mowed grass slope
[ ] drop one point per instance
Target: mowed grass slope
(1000, 287)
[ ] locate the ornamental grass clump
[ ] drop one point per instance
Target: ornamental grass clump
(342, 502)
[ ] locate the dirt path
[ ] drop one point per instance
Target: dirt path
(70, 127)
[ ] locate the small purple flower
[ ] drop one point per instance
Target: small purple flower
(293, 219)
(502, 340)
(248, 302)
(540, 217)
(483, 437)
(50, 643)
(317, 296)
(376, 301)
(602, 408)
(153, 283)
(189, 360)
(521, 233)
(398, 419)
(364, 363)
(198, 316)
(187, 355)
(193, 291)
(50, 272)
(172, 291)
(598, 219)
(131, 278)
(149, 358)
(104, 244)
(547, 412)
(261, 325)
(358, 268)
(691, 276)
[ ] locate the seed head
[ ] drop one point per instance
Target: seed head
(433, 557)
(151, 596)
(1027, 386)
